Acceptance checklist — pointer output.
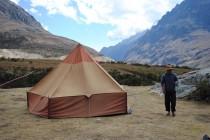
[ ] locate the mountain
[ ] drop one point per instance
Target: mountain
(118, 51)
(20, 33)
(181, 37)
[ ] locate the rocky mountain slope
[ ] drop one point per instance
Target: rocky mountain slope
(118, 51)
(20, 31)
(181, 37)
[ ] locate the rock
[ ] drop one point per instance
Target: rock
(186, 82)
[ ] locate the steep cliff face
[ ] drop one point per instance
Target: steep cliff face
(20, 30)
(181, 37)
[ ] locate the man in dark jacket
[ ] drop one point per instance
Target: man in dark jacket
(168, 83)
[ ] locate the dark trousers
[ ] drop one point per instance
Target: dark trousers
(170, 101)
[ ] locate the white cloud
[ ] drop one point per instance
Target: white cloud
(126, 16)
(45, 27)
(56, 7)
(15, 1)
(35, 11)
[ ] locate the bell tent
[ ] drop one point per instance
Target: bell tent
(77, 87)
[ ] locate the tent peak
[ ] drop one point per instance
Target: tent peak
(78, 55)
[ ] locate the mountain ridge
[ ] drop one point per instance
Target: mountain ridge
(14, 12)
(20, 30)
(119, 50)
(181, 37)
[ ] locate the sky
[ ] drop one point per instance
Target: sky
(97, 23)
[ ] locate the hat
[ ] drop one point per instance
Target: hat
(169, 67)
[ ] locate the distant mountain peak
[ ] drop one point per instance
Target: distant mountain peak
(14, 12)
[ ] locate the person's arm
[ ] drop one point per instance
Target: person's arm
(176, 80)
(163, 84)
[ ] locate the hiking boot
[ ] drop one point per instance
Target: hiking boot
(168, 114)
(173, 114)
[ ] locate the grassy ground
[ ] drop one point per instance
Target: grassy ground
(147, 122)
(124, 68)
(141, 69)
(27, 63)
(125, 74)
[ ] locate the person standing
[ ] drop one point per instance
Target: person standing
(168, 83)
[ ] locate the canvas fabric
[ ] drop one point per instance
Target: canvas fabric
(77, 87)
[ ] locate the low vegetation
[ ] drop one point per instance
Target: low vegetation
(138, 74)
(202, 92)
(132, 79)
(125, 74)
(34, 77)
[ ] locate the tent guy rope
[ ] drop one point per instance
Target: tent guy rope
(10, 81)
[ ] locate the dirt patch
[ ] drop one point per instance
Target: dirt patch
(2, 109)
(19, 99)
(4, 125)
(203, 118)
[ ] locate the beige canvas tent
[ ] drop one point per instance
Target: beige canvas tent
(77, 87)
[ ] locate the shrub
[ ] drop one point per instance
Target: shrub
(14, 59)
(2, 58)
(7, 75)
(131, 79)
(202, 92)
